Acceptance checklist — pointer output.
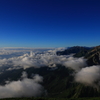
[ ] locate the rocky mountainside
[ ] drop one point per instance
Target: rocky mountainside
(78, 50)
(93, 56)
(58, 83)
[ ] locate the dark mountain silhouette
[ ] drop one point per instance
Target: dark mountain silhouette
(93, 56)
(78, 50)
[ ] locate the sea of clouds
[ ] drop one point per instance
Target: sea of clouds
(38, 59)
(87, 75)
(23, 88)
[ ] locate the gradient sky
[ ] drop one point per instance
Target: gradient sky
(49, 23)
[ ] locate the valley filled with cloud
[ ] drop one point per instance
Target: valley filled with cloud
(38, 58)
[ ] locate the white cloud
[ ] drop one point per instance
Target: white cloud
(85, 75)
(89, 76)
(23, 88)
(75, 63)
(46, 58)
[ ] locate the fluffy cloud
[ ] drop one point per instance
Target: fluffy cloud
(83, 74)
(47, 58)
(75, 63)
(23, 88)
(89, 76)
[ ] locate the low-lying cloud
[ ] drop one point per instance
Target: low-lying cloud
(23, 88)
(75, 63)
(89, 76)
(47, 58)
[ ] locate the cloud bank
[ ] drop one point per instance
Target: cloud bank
(89, 76)
(41, 59)
(23, 88)
(75, 63)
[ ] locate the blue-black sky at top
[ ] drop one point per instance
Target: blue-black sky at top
(49, 23)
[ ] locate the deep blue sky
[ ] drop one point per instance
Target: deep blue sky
(49, 23)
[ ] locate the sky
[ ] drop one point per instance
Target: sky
(49, 23)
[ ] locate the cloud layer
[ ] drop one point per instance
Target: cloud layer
(23, 88)
(89, 76)
(47, 58)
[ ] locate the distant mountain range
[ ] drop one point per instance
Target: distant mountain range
(92, 54)
(78, 50)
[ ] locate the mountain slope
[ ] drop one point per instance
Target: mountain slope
(58, 83)
(78, 50)
(93, 56)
